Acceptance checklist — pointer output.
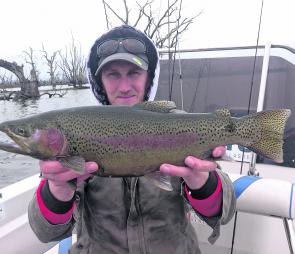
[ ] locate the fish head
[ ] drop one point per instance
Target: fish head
(33, 138)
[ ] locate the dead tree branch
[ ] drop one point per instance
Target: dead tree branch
(153, 26)
(126, 12)
(73, 64)
(106, 15)
(55, 93)
(29, 58)
(52, 65)
(114, 12)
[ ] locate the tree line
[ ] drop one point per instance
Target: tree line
(66, 66)
(164, 26)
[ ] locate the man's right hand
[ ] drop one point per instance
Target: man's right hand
(58, 177)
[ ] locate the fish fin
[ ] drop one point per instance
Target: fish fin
(272, 125)
(222, 112)
(160, 180)
(76, 163)
(156, 106)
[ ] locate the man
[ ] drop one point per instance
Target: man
(129, 215)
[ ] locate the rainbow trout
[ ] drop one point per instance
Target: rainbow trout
(136, 140)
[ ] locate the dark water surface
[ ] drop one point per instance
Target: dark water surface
(14, 167)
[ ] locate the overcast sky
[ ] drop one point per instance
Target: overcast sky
(27, 23)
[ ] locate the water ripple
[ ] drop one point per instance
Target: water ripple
(14, 167)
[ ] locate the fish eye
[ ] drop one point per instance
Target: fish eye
(21, 131)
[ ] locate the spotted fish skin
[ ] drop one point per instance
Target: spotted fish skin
(136, 140)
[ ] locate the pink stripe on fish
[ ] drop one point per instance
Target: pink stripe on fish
(150, 141)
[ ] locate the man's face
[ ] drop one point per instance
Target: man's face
(124, 83)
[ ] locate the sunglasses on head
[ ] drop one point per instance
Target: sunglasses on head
(112, 46)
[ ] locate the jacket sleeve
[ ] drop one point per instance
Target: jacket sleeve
(44, 230)
(228, 207)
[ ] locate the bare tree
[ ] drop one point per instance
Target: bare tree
(6, 81)
(31, 89)
(52, 65)
(73, 64)
(164, 29)
(29, 58)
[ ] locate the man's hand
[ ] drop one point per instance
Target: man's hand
(58, 178)
(196, 171)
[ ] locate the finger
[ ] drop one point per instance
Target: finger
(62, 176)
(218, 151)
(200, 165)
(65, 174)
(51, 167)
(57, 167)
(91, 167)
(172, 170)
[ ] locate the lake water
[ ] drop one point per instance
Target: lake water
(14, 167)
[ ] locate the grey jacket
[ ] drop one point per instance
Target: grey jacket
(131, 215)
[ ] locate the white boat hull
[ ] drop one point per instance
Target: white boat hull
(256, 230)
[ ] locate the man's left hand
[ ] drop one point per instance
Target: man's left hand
(196, 172)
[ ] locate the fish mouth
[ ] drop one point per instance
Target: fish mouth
(20, 146)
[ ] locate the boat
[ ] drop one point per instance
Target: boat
(209, 79)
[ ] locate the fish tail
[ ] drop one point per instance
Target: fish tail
(272, 125)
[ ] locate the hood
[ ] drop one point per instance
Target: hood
(123, 31)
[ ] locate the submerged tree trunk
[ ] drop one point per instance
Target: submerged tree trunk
(29, 88)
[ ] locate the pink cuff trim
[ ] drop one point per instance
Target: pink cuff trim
(210, 206)
(52, 217)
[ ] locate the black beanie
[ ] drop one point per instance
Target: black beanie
(124, 31)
